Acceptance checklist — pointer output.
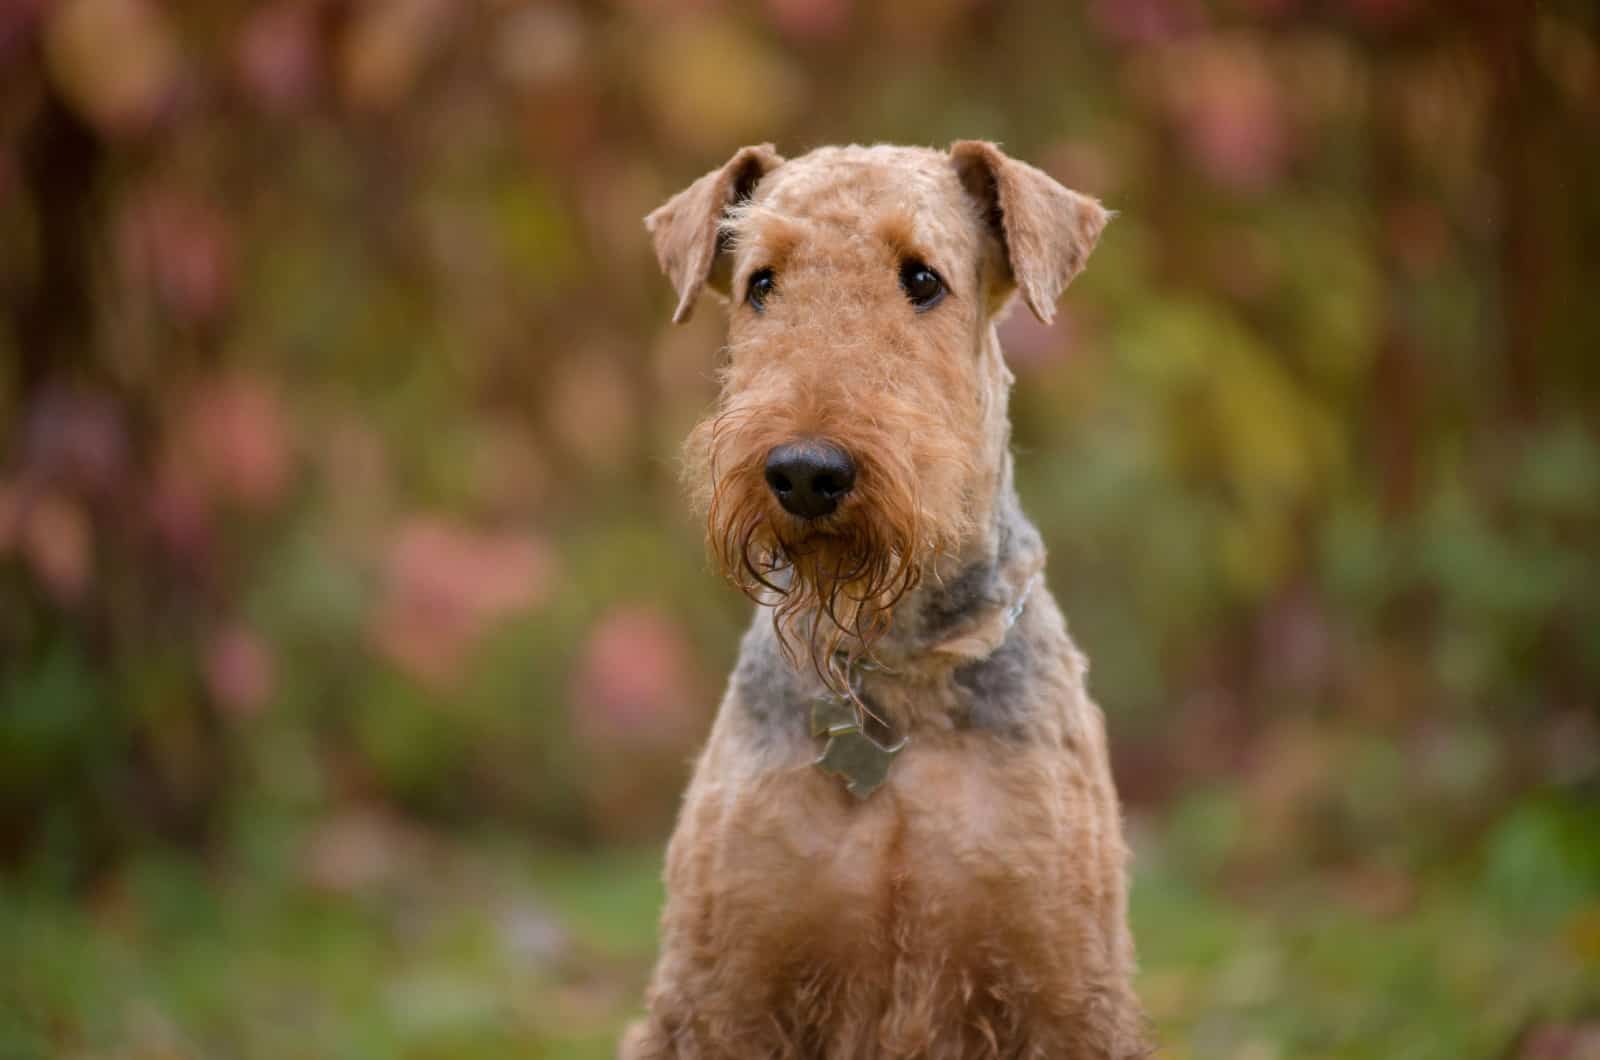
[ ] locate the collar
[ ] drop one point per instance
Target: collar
(860, 746)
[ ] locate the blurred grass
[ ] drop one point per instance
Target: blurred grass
(476, 953)
(483, 949)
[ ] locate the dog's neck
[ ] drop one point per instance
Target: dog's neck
(953, 657)
(966, 603)
(950, 632)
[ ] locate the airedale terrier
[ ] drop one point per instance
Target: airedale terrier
(902, 838)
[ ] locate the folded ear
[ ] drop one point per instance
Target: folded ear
(687, 228)
(1047, 230)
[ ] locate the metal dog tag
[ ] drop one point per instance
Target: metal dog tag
(859, 760)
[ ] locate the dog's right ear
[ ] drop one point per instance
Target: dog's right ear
(687, 228)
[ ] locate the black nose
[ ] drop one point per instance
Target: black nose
(809, 478)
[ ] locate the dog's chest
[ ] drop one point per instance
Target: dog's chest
(962, 851)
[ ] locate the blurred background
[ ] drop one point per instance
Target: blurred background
(355, 637)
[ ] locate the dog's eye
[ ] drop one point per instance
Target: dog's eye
(922, 285)
(761, 287)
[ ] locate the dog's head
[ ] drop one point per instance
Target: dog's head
(861, 423)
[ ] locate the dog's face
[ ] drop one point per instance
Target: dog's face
(862, 414)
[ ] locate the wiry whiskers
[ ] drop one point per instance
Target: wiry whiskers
(832, 592)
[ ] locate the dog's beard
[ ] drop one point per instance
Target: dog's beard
(832, 585)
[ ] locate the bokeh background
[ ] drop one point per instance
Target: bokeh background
(354, 636)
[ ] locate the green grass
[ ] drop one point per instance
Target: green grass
(484, 949)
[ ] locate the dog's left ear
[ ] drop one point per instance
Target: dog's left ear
(1047, 230)
(687, 228)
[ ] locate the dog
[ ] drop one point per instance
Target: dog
(902, 838)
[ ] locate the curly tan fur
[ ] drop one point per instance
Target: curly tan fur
(975, 906)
